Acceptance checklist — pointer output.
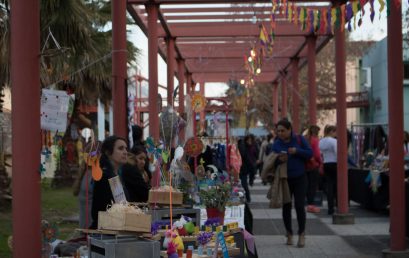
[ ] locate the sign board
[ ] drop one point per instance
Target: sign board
(117, 189)
(54, 109)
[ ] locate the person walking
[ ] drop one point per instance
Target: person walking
(312, 167)
(295, 151)
(248, 153)
(328, 148)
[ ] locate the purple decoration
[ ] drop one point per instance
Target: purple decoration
(349, 26)
(372, 16)
(204, 237)
(212, 222)
(311, 14)
(329, 20)
(155, 226)
(349, 12)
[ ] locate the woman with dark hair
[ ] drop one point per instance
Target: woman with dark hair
(312, 167)
(113, 157)
(135, 178)
(328, 147)
(295, 151)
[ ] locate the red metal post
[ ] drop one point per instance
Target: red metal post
(181, 78)
(26, 143)
(188, 83)
(341, 105)
(395, 119)
(202, 113)
(152, 10)
(170, 43)
(119, 71)
(312, 88)
(295, 96)
(284, 99)
(275, 102)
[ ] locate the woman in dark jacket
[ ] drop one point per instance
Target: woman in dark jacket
(113, 155)
(135, 178)
(294, 150)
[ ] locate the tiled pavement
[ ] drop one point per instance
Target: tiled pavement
(366, 238)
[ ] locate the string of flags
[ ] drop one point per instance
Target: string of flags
(321, 20)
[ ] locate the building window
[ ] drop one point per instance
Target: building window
(406, 71)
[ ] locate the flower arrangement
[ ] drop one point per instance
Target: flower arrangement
(204, 237)
(216, 196)
(212, 222)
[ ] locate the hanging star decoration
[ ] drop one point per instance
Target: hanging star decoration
(193, 147)
(198, 103)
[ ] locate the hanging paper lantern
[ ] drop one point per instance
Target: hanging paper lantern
(198, 103)
(193, 147)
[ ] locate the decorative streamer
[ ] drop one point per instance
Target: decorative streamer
(318, 18)
(296, 12)
(382, 6)
(323, 21)
(349, 15)
(372, 9)
(290, 12)
(311, 21)
(329, 20)
(362, 3)
(333, 18)
(388, 7)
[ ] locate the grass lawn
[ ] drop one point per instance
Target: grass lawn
(56, 205)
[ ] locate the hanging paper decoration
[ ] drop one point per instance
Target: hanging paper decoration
(198, 103)
(49, 231)
(193, 147)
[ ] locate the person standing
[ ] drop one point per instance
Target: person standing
(328, 148)
(294, 150)
(114, 151)
(312, 167)
(136, 179)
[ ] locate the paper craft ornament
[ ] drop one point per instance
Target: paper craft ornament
(193, 147)
(198, 103)
(96, 169)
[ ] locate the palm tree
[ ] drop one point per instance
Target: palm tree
(76, 43)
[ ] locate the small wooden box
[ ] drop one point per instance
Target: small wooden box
(124, 221)
(162, 197)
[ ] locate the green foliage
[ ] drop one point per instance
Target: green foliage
(56, 204)
(216, 196)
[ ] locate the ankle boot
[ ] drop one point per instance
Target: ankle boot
(289, 239)
(301, 240)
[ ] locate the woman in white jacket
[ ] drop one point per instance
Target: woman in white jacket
(328, 148)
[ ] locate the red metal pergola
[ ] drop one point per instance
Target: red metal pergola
(205, 51)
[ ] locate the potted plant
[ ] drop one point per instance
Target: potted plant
(215, 199)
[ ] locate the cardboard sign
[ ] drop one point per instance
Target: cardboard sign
(117, 189)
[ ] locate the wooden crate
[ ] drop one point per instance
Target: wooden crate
(161, 197)
(124, 221)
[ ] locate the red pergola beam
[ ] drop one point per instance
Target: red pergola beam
(228, 29)
(215, 1)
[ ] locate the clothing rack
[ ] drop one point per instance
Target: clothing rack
(363, 140)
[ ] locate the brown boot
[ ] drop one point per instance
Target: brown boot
(289, 239)
(301, 240)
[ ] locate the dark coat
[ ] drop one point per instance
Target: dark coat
(138, 189)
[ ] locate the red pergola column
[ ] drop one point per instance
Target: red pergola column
(119, 71)
(395, 120)
(284, 97)
(342, 216)
(181, 78)
(202, 113)
(295, 96)
(152, 10)
(25, 80)
(275, 102)
(188, 83)
(312, 88)
(170, 43)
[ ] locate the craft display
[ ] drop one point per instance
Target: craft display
(161, 195)
(124, 217)
(193, 147)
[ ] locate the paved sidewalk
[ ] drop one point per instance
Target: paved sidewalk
(366, 238)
